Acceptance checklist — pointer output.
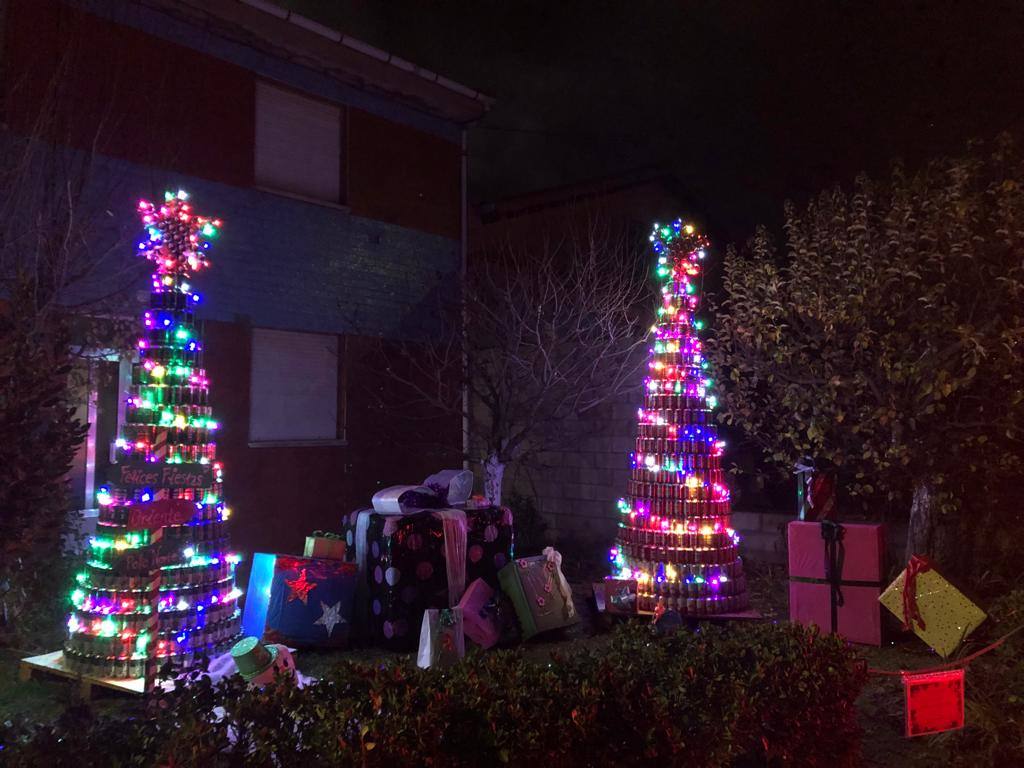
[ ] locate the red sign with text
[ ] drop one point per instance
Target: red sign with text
(160, 513)
(935, 701)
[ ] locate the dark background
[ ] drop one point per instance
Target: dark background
(747, 102)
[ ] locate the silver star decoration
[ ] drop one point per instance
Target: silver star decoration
(331, 616)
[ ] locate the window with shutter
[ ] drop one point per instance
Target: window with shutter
(298, 144)
(294, 387)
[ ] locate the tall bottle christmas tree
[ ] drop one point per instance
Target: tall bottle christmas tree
(674, 535)
(159, 584)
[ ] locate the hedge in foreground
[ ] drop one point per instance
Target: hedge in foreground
(747, 695)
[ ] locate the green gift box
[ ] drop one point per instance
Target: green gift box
(539, 593)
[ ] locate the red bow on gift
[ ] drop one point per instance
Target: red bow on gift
(911, 612)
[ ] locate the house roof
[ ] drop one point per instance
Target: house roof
(269, 26)
(627, 184)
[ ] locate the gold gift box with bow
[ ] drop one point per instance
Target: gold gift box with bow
(949, 617)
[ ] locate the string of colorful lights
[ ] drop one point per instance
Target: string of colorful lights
(674, 533)
(159, 582)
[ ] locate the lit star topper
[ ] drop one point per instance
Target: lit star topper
(299, 589)
(176, 239)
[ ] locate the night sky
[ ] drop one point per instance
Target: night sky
(746, 102)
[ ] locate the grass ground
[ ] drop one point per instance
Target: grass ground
(880, 705)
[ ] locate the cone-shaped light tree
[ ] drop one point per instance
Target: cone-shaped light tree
(159, 583)
(674, 536)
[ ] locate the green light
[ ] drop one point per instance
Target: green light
(108, 628)
(78, 597)
(698, 324)
(690, 288)
(181, 334)
(166, 417)
(82, 577)
(209, 230)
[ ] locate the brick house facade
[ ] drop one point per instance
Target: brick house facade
(339, 173)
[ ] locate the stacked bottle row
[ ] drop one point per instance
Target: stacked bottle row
(674, 536)
(166, 594)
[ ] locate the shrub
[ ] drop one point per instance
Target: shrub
(38, 438)
(766, 694)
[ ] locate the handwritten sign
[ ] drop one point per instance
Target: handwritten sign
(157, 514)
(143, 560)
(935, 701)
(164, 475)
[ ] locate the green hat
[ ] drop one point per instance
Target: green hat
(252, 657)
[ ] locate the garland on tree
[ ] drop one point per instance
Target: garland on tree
(159, 583)
(674, 534)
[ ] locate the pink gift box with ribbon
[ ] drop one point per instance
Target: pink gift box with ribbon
(480, 618)
(848, 572)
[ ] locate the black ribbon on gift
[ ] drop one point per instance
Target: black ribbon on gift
(832, 533)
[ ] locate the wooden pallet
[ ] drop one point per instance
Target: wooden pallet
(53, 664)
(748, 615)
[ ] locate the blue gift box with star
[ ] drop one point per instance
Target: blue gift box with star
(305, 602)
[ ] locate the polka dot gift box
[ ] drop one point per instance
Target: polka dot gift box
(404, 562)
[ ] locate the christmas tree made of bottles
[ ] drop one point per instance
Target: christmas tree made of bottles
(159, 583)
(674, 534)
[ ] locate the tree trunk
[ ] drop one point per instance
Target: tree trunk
(494, 473)
(931, 531)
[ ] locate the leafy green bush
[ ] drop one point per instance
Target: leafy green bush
(38, 438)
(756, 695)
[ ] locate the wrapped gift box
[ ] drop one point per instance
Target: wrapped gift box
(946, 615)
(327, 545)
(404, 562)
(481, 616)
(442, 642)
(861, 557)
(300, 601)
(616, 596)
(454, 485)
(539, 592)
(934, 701)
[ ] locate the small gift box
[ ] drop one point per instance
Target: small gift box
(616, 596)
(442, 642)
(937, 611)
(934, 701)
(481, 617)
(835, 578)
(330, 546)
(539, 592)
